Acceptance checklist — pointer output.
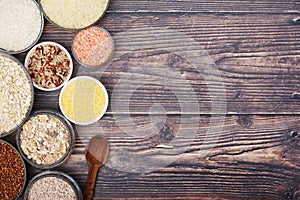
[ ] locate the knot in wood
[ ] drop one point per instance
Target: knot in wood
(293, 134)
(245, 121)
(292, 192)
(166, 133)
(295, 96)
(296, 20)
(239, 94)
(297, 195)
(288, 194)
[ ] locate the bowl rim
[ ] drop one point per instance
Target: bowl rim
(103, 89)
(57, 174)
(62, 119)
(32, 93)
(24, 165)
(68, 55)
(74, 29)
(93, 66)
(36, 40)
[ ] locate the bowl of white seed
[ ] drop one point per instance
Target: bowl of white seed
(46, 139)
(52, 185)
(21, 23)
(16, 94)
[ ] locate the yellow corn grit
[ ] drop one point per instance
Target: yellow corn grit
(83, 100)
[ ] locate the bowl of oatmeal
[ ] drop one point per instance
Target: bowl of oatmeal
(16, 94)
(49, 65)
(46, 139)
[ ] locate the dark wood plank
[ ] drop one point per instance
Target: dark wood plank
(255, 157)
(257, 58)
(255, 45)
(207, 6)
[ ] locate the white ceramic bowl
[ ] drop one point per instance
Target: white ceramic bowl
(105, 94)
(69, 57)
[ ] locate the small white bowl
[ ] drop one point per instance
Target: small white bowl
(69, 57)
(103, 89)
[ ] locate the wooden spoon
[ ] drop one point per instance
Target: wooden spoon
(96, 154)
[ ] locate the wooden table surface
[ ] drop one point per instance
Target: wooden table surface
(241, 143)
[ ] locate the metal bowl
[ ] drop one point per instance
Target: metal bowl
(25, 172)
(56, 174)
(36, 40)
(73, 29)
(32, 93)
(67, 124)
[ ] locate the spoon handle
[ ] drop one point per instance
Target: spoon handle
(88, 192)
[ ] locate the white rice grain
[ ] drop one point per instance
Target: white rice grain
(20, 24)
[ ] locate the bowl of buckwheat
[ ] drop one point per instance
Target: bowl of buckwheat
(46, 139)
(12, 170)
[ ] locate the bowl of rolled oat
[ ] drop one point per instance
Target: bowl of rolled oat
(16, 94)
(46, 139)
(50, 66)
(52, 185)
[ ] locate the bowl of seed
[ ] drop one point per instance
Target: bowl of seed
(16, 94)
(49, 65)
(74, 15)
(46, 139)
(50, 185)
(13, 172)
(21, 23)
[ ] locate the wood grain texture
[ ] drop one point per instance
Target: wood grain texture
(255, 46)
(255, 157)
(257, 58)
(207, 6)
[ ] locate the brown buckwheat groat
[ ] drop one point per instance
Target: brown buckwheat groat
(12, 172)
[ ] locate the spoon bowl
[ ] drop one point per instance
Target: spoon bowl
(96, 154)
(97, 150)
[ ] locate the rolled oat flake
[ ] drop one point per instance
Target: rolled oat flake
(21, 23)
(15, 94)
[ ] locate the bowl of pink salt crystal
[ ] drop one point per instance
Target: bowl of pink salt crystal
(93, 46)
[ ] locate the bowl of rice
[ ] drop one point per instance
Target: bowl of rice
(21, 23)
